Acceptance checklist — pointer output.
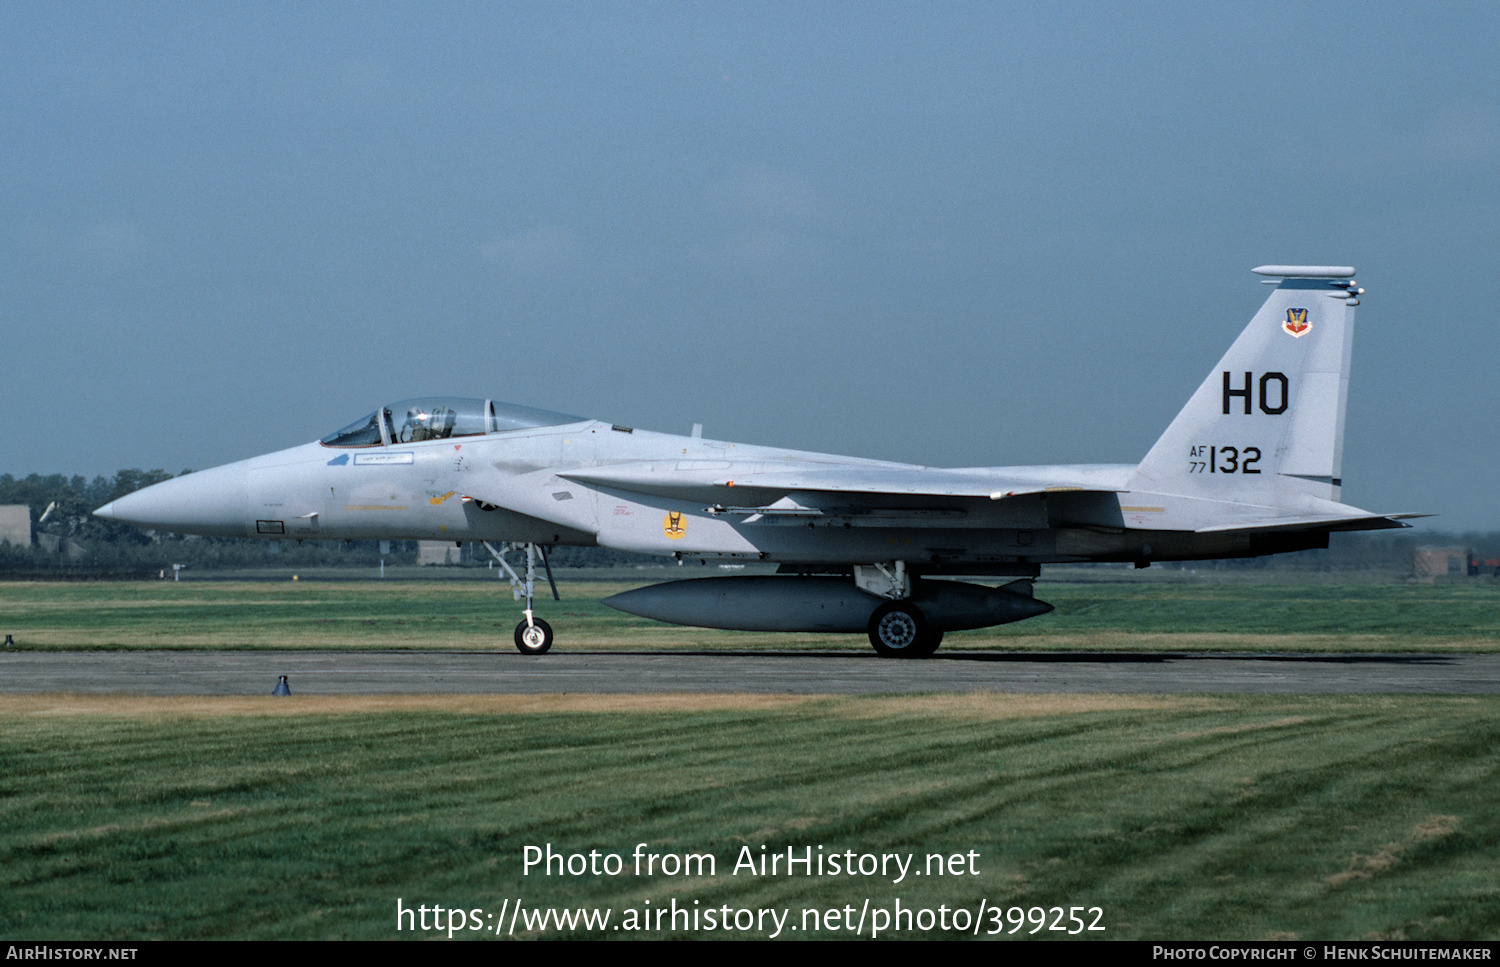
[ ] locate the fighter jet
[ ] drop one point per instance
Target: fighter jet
(1251, 466)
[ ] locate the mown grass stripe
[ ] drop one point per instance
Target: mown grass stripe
(1207, 816)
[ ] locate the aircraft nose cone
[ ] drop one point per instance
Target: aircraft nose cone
(210, 502)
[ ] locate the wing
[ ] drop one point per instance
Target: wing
(765, 484)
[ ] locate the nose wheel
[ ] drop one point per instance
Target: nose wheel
(533, 638)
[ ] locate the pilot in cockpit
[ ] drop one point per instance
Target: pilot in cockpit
(434, 424)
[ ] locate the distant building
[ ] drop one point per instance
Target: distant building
(1437, 562)
(442, 552)
(15, 524)
(70, 548)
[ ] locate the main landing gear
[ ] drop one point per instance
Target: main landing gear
(898, 628)
(533, 635)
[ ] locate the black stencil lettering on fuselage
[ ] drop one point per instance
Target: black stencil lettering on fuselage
(1270, 387)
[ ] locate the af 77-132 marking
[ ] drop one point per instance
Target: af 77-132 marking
(1251, 466)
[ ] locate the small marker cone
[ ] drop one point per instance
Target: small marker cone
(282, 688)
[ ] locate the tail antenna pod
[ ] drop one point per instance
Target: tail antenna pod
(1306, 271)
(1340, 278)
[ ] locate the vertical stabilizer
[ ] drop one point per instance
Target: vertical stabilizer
(1267, 424)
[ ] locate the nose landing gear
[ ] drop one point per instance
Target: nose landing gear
(533, 635)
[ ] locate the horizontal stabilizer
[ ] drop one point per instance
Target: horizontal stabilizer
(1362, 522)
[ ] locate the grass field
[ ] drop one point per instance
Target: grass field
(481, 615)
(1220, 817)
(1179, 817)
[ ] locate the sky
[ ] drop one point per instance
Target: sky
(958, 234)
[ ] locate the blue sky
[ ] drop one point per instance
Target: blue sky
(958, 234)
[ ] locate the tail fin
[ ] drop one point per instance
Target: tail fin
(1268, 422)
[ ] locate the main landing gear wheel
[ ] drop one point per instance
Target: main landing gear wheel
(535, 638)
(898, 629)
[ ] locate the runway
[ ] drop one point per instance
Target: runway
(376, 673)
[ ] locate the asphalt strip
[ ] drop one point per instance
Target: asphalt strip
(646, 672)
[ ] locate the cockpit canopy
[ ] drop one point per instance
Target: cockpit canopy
(439, 418)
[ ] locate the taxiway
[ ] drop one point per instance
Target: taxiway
(375, 673)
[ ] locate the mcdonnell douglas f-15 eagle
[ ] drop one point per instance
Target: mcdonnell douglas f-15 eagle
(1249, 467)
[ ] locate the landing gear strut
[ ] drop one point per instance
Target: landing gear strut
(533, 635)
(898, 628)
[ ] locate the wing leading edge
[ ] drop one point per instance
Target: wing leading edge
(987, 483)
